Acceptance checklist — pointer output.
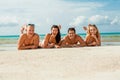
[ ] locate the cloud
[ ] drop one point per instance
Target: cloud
(46, 12)
(96, 19)
(8, 21)
(12, 21)
(33, 10)
(79, 20)
(115, 21)
(49, 21)
(106, 20)
(99, 19)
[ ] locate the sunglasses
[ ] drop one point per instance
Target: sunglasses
(30, 25)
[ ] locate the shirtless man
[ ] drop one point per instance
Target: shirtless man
(28, 40)
(72, 39)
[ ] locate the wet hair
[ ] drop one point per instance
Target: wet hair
(93, 25)
(58, 36)
(71, 29)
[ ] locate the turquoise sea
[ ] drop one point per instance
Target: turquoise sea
(10, 41)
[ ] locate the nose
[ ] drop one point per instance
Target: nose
(31, 31)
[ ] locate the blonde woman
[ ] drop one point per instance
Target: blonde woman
(93, 36)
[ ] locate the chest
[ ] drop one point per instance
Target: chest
(90, 39)
(52, 40)
(29, 41)
(72, 41)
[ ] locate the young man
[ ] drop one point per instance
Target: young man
(28, 40)
(72, 39)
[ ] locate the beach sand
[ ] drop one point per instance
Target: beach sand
(85, 63)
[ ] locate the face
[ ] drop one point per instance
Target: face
(54, 31)
(93, 30)
(71, 34)
(30, 30)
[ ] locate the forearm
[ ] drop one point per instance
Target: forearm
(83, 44)
(98, 43)
(27, 47)
(93, 44)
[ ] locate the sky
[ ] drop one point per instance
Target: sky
(68, 13)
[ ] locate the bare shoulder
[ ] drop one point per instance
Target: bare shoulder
(48, 35)
(88, 35)
(66, 37)
(23, 35)
(77, 36)
(36, 35)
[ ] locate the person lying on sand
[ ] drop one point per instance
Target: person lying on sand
(28, 40)
(72, 39)
(92, 36)
(52, 39)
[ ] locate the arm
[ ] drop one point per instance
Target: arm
(36, 42)
(82, 42)
(92, 40)
(64, 42)
(22, 46)
(21, 40)
(88, 41)
(46, 40)
(97, 40)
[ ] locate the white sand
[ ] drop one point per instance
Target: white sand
(86, 63)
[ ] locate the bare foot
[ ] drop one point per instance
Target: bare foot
(59, 27)
(23, 28)
(85, 28)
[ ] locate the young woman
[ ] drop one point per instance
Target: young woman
(28, 40)
(52, 39)
(93, 36)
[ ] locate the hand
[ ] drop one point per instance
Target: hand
(57, 46)
(66, 43)
(51, 45)
(94, 43)
(94, 36)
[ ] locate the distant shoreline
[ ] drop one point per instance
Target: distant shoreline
(103, 33)
(106, 38)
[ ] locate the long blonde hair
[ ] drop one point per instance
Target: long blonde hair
(97, 33)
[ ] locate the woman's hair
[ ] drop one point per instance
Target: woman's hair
(97, 33)
(71, 29)
(58, 36)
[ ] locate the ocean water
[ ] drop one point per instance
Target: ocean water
(10, 41)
